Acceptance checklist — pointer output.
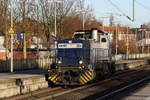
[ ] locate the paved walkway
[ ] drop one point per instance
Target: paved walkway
(22, 74)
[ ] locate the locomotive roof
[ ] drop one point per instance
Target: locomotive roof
(73, 41)
(90, 31)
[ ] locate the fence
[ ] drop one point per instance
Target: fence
(131, 56)
(45, 62)
(26, 64)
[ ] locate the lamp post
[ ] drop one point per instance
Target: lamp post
(117, 35)
(11, 36)
(55, 24)
(83, 17)
(55, 13)
(103, 17)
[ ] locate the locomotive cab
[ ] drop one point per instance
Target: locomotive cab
(71, 62)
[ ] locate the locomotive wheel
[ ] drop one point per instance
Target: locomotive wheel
(112, 69)
(100, 75)
(51, 84)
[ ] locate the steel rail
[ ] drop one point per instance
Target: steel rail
(123, 88)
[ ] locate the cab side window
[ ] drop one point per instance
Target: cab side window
(103, 40)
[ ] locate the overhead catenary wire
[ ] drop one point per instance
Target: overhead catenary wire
(142, 5)
(115, 6)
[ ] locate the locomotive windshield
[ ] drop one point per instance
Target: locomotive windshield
(82, 36)
(78, 36)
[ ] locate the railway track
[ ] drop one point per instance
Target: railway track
(111, 95)
(89, 91)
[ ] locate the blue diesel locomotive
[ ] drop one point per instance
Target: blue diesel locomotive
(85, 57)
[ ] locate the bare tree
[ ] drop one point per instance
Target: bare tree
(47, 9)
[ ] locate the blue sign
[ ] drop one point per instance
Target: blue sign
(20, 36)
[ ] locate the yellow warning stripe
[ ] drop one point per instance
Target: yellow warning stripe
(89, 77)
(50, 77)
(83, 79)
(89, 72)
(53, 78)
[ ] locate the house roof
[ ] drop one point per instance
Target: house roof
(112, 28)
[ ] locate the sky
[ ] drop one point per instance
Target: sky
(103, 8)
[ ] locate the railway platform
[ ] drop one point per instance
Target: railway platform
(129, 64)
(22, 82)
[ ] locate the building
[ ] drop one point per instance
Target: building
(142, 35)
(2, 48)
(18, 52)
(36, 42)
(122, 32)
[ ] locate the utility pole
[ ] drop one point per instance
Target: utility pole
(127, 43)
(11, 36)
(24, 31)
(55, 15)
(6, 31)
(148, 43)
(133, 11)
(55, 24)
(136, 39)
(116, 40)
(142, 41)
(38, 36)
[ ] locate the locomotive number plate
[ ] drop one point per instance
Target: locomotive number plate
(70, 45)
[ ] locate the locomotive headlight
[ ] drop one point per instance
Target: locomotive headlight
(80, 62)
(59, 62)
